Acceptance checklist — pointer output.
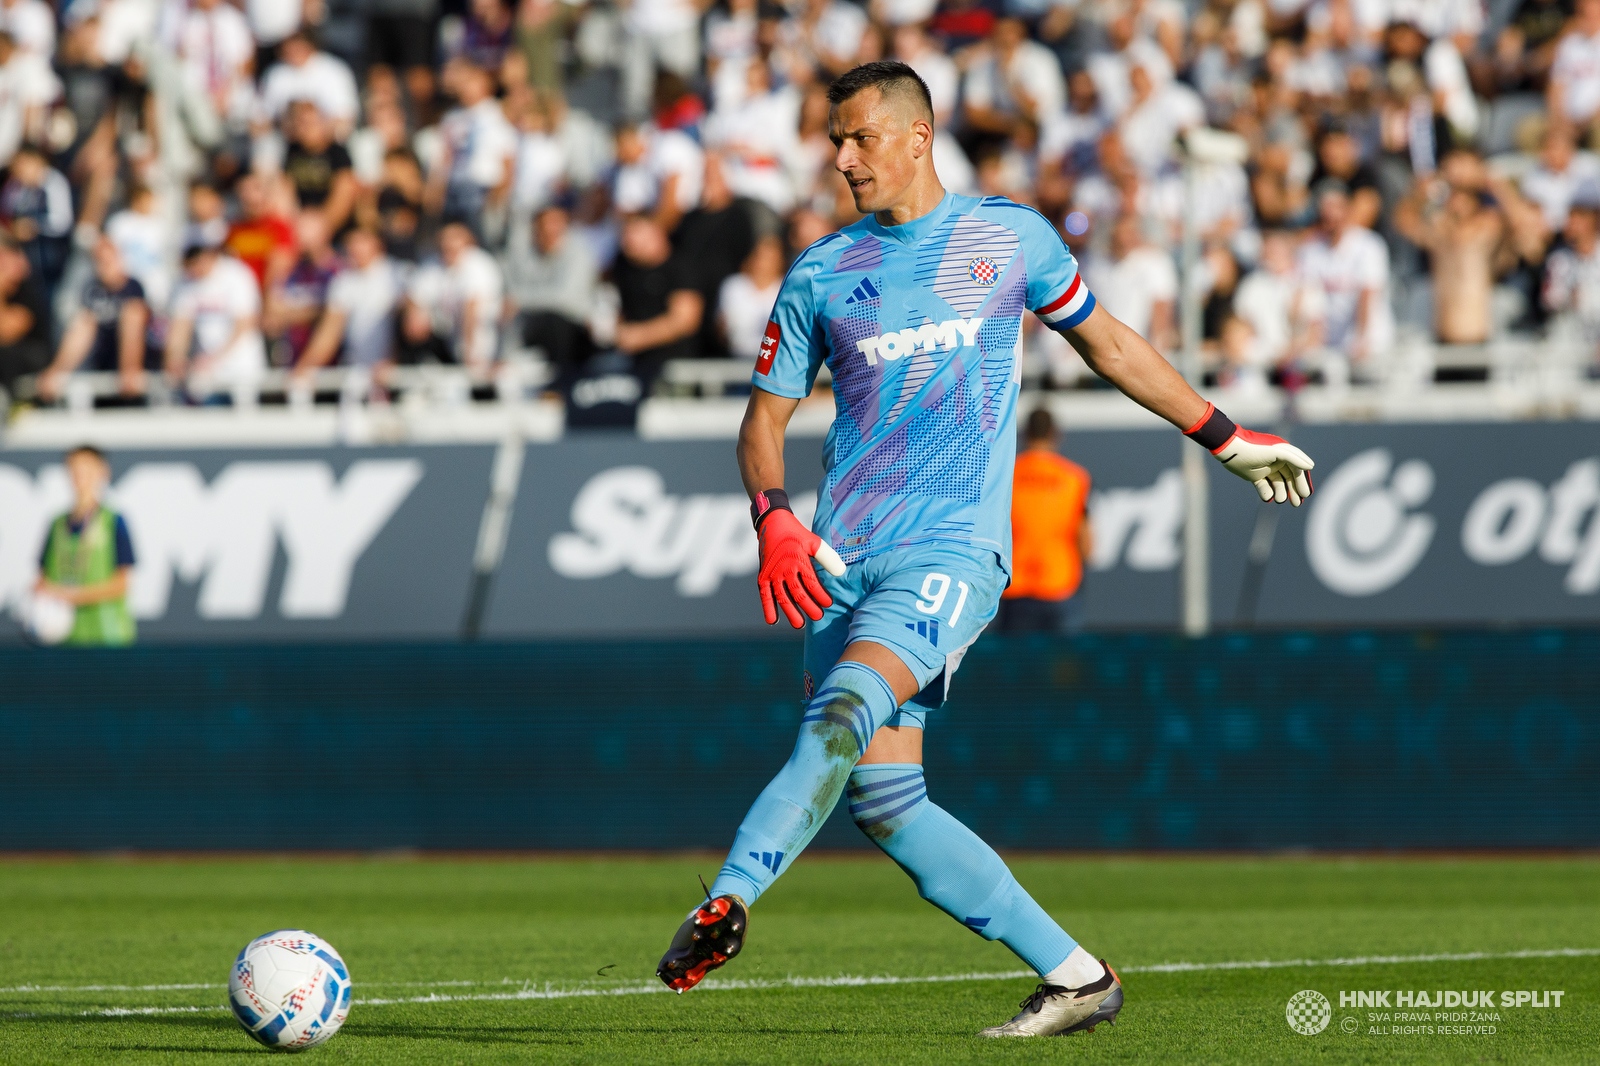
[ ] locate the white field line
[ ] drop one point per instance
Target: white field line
(527, 991)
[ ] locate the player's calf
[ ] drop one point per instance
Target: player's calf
(709, 937)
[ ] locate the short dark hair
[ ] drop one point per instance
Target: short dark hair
(1041, 426)
(89, 449)
(889, 75)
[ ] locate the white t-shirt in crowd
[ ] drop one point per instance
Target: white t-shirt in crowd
(745, 309)
(325, 80)
(446, 291)
(1130, 288)
(1554, 193)
(26, 81)
(215, 303)
(840, 29)
(1149, 128)
(32, 24)
(1572, 288)
(1071, 135)
(653, 17)
(1267, 301)
(481, 142)
(667, 153)
(367, 298)
(541, 167)
(939, 72)
(758, 137)
(123, 24)
(215, 45)
(1033, 68)
(1440, 18)
(1357, 263)
(142, 240)
(1577, 68)
(273, 20)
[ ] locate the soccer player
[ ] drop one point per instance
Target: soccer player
(917, 310)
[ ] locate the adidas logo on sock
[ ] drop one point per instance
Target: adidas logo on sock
(862, 292)
(771, 860)
(928, 629)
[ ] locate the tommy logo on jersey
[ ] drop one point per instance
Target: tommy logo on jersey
(769, 347)
(954, 333)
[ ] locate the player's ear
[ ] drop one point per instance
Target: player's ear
(921, 136)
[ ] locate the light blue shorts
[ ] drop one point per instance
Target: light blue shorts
(926, 603)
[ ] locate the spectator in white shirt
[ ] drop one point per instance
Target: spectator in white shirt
(272, 21)
(452, 306)
(214, 342)
(27, 88)
(913, 48)
(1572, 278)
(746, 300)
(217, 51)
(1014, 79)
(1350, 265)
(826, 34)
(1137, 283)
(142, 238)
(659, 172)
(478, 148)
(1158, 114)
(32, 24)
(1574, 89)
(360, 310)
(757, 137)
(660, 33)
(307, 74)
(1562, 176)
(1284, 315)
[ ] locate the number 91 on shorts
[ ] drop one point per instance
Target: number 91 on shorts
(926, 603)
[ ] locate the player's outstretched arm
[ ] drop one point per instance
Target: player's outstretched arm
(1277, 469)
(787, 580)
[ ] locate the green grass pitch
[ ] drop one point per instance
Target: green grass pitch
(472, 961)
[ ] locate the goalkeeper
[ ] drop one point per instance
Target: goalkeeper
(917, 310)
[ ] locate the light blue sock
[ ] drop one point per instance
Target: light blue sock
(837, 727)
(953, 869)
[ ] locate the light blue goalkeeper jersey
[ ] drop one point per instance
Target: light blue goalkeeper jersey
(921, 327)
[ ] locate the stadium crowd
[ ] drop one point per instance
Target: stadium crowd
(196, 191)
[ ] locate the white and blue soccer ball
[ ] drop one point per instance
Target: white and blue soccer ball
(289, 989)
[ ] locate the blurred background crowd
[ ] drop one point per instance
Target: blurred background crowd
(198, 193)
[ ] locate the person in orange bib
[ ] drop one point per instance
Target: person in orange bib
(1050, 535)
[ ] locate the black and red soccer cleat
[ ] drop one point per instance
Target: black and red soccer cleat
(710, 936)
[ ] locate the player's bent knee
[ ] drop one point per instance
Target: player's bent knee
(886, 797)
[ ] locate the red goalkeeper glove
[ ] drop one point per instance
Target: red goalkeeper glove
(787, 579)
(1277, 469)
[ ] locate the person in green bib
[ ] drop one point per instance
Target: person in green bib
(88, 557)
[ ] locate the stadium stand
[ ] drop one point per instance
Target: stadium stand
(454, 217)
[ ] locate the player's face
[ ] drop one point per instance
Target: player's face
(877, 149)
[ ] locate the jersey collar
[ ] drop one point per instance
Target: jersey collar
(910, 233)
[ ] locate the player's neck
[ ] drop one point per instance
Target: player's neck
(923, 196)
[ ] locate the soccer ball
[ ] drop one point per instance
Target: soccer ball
(289, 989)
(48, 619)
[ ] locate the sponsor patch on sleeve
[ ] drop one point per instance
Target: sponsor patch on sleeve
(769, 348)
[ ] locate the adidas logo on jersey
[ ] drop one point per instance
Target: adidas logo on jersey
(956, 333)
(862, 293)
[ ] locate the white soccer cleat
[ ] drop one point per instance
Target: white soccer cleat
(1056, 1011)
